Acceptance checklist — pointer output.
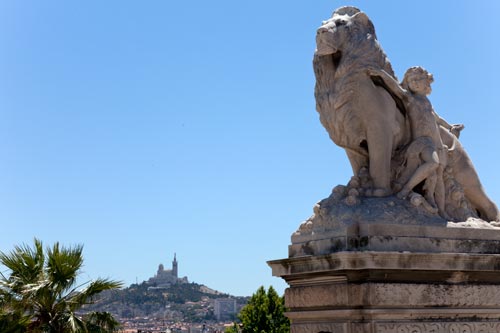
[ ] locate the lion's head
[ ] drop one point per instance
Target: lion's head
(345, 24)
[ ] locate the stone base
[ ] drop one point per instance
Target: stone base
(392, 292)
(415, 325)
(465, 237)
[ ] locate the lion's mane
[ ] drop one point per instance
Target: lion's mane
(337, 75)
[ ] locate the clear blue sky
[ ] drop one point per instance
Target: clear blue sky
(144, 128)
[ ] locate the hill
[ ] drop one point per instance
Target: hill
(181, 302)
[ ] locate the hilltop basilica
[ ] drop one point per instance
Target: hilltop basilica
(164, 278)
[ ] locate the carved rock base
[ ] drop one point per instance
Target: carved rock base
(475, 236)
(392, 292)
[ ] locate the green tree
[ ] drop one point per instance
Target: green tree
(263, 313)
(42, 287)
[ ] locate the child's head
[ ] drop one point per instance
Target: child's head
(418, 80)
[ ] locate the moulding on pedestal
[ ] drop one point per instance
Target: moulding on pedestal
(371, 292)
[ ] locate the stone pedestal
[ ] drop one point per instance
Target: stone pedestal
(367, 287)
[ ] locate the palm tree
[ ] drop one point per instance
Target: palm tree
(43, 286)
(100, 322)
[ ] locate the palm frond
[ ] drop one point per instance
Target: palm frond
(74, 324)
(63, 265)
(87, 294)
(25, 263)
(101, 322)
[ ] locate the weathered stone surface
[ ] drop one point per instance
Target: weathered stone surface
(472, 236)
(410, 321)
(395, 141)
(402, 327)
(320, 327)
(388, 224)
(393, 295)
(394, 267)
(409, 166)
(370, 292)
(438, 327)
(411, 243)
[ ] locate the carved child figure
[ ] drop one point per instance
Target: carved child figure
(426, 155)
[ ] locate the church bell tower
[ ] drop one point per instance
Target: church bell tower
(174, 267)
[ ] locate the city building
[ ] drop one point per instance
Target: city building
(224, 308)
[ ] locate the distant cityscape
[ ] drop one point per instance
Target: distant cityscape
(168, 303)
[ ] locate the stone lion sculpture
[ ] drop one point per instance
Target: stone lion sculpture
(360, 116)
(369, 120)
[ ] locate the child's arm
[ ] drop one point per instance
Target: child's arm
(454, 129)
(440, 121)
(389, 81)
